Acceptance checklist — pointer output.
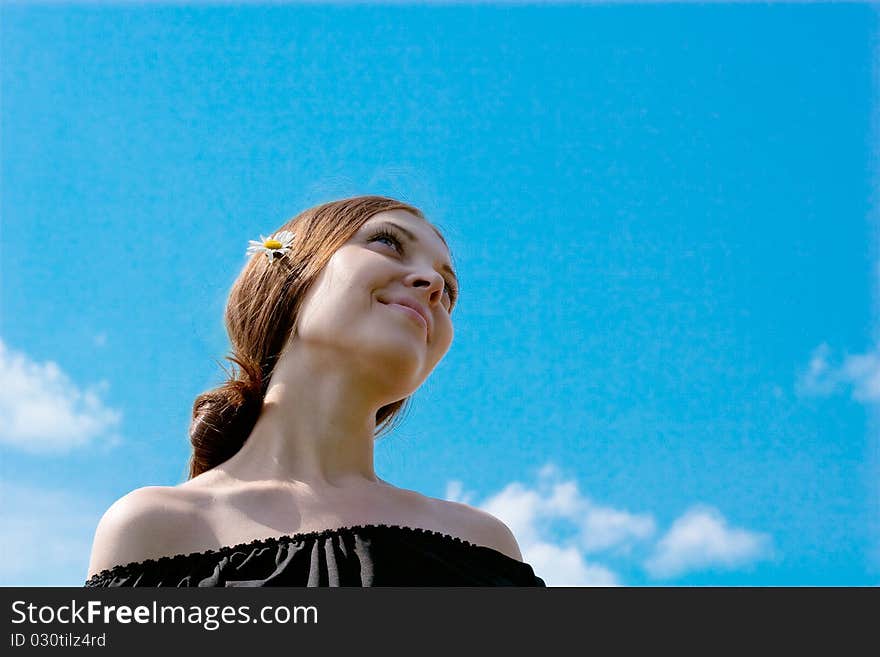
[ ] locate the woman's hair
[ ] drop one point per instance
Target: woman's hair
(261, 311)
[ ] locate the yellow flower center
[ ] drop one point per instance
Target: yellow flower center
(272, 244)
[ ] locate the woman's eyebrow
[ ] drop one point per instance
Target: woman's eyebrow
(415, 240)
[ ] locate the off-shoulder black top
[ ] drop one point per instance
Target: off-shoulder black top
(359, 555)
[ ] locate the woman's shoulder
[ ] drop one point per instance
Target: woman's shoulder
(481, 527)
(138, 526)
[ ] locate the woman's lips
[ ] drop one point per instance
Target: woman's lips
(412, 313)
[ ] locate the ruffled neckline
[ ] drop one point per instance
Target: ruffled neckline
(121, 569)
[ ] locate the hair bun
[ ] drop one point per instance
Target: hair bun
(224, 417)
(246, 385)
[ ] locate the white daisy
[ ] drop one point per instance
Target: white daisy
(278, 243)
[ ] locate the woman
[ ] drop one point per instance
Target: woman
(335, 321)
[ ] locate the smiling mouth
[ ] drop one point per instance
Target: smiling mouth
(410, 312)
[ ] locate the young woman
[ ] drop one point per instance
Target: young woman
(335, 321)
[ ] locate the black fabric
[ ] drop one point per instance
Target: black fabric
(360, 555)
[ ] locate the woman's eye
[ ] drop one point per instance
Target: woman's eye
(386, 236)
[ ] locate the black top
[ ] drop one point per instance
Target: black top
(360, 555)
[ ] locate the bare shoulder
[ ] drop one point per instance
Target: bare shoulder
(482, 528)
(138, 526)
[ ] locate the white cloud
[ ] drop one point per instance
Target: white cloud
(861, 372)
(43, 412)
(701, 539)
(455, 492)
(598, 527)
(565, 566)
(46, 536)
(605, 528)
(529, 513)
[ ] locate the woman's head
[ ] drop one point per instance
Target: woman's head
(333, 294)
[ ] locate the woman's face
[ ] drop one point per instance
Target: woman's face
(352, 308)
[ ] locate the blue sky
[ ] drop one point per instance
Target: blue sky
(666, 364)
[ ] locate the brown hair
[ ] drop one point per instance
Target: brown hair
(261, 311)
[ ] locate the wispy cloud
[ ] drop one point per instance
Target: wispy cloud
(43, 412)
(528, 513)
(565, 566)
(860, 372)
(701, 539)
